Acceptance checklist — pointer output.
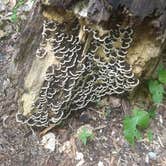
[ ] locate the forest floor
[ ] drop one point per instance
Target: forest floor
(22, 146)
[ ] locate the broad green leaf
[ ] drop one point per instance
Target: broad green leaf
(159, 68)
(162, 76)
(152, 86)
(157, 97)
(157, 91)
(139, 118)
(130, 131)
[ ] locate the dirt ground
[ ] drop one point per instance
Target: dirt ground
(22, 146)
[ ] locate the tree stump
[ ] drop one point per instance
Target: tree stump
(73, 53)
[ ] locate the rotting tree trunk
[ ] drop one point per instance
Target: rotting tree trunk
(143, 22)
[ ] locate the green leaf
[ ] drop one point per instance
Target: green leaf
(85, 135)
(130, 131)
(14, 17)
(162, 76)
(152, 113)
(157, 91)
(15, 9)
(152, 86)
(139, 118)
(159, 68)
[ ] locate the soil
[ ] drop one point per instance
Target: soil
(21, 145)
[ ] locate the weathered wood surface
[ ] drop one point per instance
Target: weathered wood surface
(139, 8)
(29, 42)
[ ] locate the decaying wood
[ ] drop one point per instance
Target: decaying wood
(146, 17)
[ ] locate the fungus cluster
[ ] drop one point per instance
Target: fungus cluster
(81, 75)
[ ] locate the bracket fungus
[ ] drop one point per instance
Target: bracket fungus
(83, 73)
(84, 53)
